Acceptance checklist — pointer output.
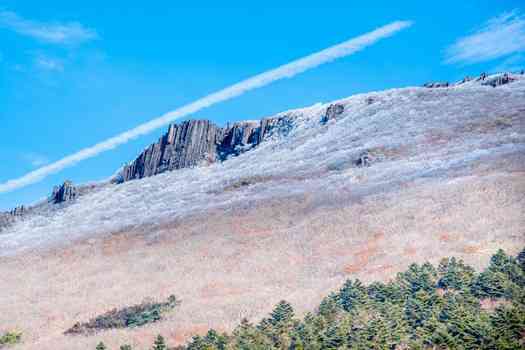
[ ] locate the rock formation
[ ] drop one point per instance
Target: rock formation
(499, 80)
(7, 218)
(194, 142)
(332, 112)
(439, 84)
(18, 211)
(63, 193)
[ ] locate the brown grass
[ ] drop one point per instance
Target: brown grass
(226, 265)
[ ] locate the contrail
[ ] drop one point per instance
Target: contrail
(285, 71)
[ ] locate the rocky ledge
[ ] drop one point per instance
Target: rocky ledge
(63, 193)
(196, 142)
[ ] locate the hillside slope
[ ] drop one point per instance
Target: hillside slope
(359, 187)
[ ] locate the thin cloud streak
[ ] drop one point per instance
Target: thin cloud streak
(500, 36)
(288, 70)
(54, 33)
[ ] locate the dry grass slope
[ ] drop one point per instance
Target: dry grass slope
(234, 239)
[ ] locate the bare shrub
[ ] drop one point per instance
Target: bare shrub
(132, 316)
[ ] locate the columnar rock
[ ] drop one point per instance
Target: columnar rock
(183, 146)
(194, 142)
(63, 193)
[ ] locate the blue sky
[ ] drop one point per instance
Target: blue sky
(73, 75)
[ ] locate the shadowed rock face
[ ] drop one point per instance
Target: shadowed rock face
(64, 193)
(194, 142)
(182, 146)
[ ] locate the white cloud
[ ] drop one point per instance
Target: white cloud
(288, 70)
(500, 36)
(48, 63)
(34, 159)
(55, 33)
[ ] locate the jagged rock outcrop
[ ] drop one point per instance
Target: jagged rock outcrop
(7, 218)
(18, 211)
(332, 112)
(183, 146)
(439, 84)
(237, 138)
(63, 193)
(364, 160)
(499, 80)
(195, 142)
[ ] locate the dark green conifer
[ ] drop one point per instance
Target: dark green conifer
(160, 343)
(101, 346)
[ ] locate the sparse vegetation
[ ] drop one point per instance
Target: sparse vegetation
(10, 338)
(421, 308)
(246, 181)
(133, 316)
(160, 343)
(101, 346)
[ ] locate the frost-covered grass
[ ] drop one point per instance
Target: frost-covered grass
(425, 133)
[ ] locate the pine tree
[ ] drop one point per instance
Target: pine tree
(125, 347)
(491, 284)
(352, 294)
(378, 291)
(454, 274)
(282, 313)
(330, 308)
(101, 346)
(160, 343)
(418, 278)
(508, 324)
(332, 339)
(213, 340)
(248, 337)
(420, 307)
(521, 259)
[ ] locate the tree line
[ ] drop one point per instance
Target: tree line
(424, 307)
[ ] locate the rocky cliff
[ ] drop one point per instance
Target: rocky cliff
(195, 142)
(63, 193)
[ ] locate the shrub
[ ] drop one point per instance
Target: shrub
(128, 317)
(10, 338)
(101, 346)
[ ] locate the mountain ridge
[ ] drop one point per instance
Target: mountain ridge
(398, 176)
